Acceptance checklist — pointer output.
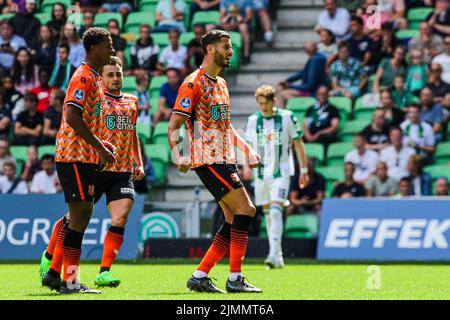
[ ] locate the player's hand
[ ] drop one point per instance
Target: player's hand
(138, 173)
(184, 164)
(106, 156)
(254, 160)
(303, 180)
(110, 146)
(247, 173)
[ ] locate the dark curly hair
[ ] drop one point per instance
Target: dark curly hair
(94, 36)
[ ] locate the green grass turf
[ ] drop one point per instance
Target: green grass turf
(166, 279)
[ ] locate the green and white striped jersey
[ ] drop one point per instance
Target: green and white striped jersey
(272, 139)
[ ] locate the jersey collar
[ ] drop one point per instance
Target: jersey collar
(208, 76)
(91, 69)
(113, 95)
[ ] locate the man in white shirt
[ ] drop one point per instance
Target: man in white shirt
(364, 159)
(396, 155)
(418, 134)
(173, 56)
(335, 19)
(9, 183)
(444, 60)
(44, 180)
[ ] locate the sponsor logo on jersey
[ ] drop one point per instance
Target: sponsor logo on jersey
(79, 94)
(119, 122)
(185, 103)
(220, 111)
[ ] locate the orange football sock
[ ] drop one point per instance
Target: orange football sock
(113, 242)
(54, 237)
(58, 253)
(239, 240)
(218, 249)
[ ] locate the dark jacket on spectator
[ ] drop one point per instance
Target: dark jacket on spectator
(425, 185)
(313, 75)
(144, 56)
(27, 26)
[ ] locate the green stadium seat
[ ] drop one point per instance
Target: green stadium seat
(154, 101)
(315, 150)
(161, 39)
(262, 228)
(101, 19)
(300, 103)
(159, 156)
(416, 15)
(47, 5)
(19, 153)
(352, 127)
(442, 154)
(206, 17)
(148, 5)
(344, 106)
(331, 175)
(186, 37)
(156, 84)
(48, 149)
(5, 16)
(438, 170)
(448, 132)
(407, 34)
(129, 84)
(144, 131)
(337, 152)
(135, 19)
(363, 111)
(303, 226)
(43, 17)
(160, 133)
(300, 117)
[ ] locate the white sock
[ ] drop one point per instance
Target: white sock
(234, 275)
(268, 230)
(199, 274)
(268, 36)
(276, 233)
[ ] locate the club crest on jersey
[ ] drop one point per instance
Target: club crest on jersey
(79, 94)
(185, 103)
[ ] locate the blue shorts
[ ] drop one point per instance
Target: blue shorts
(115, 7)
(260, 4)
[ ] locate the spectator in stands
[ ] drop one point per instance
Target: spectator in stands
(377, 132)
(446, 109)
(385, 42)
(88, 22)
(53, 116)
(308, 199)
(431, 113)
(349, 188)
(13, 98)
(119, 43)
(327, 46)
(360, 45)
(59, 19)
(313, 76)
(364, 159)
(380, 184)
(32, 164)
(122, 7)
(393, 115)
(45, 51)
(416, 73)
(435, 83)
(174, 55)
(5, 116)
(441, 188)
(194, 48)
(235, 15)
(70, 37)
(261, 8)
(420, 180)
(334, 18)
(24, 71)
(43, 91)
(347, 75)
(418, 134)
(168, 95)
(143, 94)
(44, 180)
(5, 154)
(439, 19)
(395, 9)
(321, 121)
(430, 44)
(396, 155)
(63, 69)
(371, 23)
(444, 60)
(28, 126)
(203, 5)
(404, 188)
(9, 44)
(9, 6)
(170, 15)
(143, 186)
(25, 24)
(389, 68)
(400, 96)
(144, 54)
(9, 183)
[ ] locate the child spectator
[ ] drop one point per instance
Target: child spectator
(400, 96)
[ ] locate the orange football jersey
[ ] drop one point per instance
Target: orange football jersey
(207, 103)
(118, 122)
(83, 93)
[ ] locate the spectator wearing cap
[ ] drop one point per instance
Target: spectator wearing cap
(380, 184)
(334, 18)
(364, 159)
(430, 44)
(349, 188)
(170, 15)
(9, 44)
(5, 116)
(443, 59)
(377, 132)
(25, 24)
(435, 83)
(53, 116)
(312, 75)
(174, 55)
(5, 154)
(420, 180)
(63, 69)
(58, 20)
(45, 49)
(441, 187)
(9, 183)
(28, 126)
(439, 19)
(431, 113)
(24, 71)
(44, 181)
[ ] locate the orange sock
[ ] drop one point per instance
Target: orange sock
(113, 242)
(239, 240)
(58, 253)
(72, 255)
(218, 249)
(54, 237)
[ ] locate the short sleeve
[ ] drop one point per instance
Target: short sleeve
(78, 91)
(186, 98)
(293, 127)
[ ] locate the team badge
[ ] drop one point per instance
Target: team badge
(79, 94)
(185, 103)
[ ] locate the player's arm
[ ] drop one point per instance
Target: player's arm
(138, 170)
(299, 148)
(253, 158)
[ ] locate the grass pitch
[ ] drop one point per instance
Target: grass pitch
(300, 279)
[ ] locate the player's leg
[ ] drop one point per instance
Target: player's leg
(262, 198)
